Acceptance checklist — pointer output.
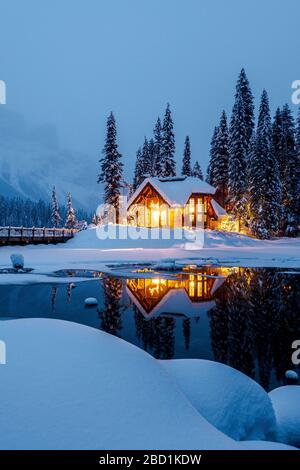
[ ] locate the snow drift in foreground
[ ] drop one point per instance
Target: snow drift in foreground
(228, 399)
(67, 386)
(286, 404)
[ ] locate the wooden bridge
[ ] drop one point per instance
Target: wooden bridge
(26, 236)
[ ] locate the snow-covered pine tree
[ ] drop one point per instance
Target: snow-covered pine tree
(186, 161)
(71, 216)
(210, 176)
(237, 163)
(218, 167)
(298, 156)
(146, 159)
(243, 89)
(55, 216)
(111, 166)
(264, 178)
(168, 146)
(151, 154)
(158, 146)
(291, 175)
(197, 172)
(138, 171)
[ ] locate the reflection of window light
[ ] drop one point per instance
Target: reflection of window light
(192, 289)
(199, 289)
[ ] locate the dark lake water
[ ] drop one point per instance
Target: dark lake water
(246, 318)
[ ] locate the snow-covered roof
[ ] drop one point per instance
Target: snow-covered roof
(175, 302)
(175, 191)
(219, 210)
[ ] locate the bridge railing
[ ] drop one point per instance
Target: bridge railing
(35, 233)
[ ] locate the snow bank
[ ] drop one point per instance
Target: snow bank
(286, 404)
(228, 399)
(140, 237)
(67, 386)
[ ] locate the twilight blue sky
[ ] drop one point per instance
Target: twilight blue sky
(69, 62)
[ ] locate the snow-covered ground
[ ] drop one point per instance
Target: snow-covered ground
(67, 386)
(286, 404)
(86, 251)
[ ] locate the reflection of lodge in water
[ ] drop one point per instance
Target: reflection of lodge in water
(190, 294)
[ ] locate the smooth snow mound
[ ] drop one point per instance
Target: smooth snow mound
(228, 399)
(286, 404)
(68, 386)
(157, 238)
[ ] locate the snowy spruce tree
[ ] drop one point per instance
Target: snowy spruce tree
(218, 166)
(168, 146)
(147, 163)
(157, 148)
(55, 216)
(71, 216)
(186, 161)
(111, 166)
(290, 174)
(138, 171)
(244, 91)
(197, 172)
(240, 138)
(237, 163)
(212, 157)
(151, 156)
(298, 156)
(264, 178)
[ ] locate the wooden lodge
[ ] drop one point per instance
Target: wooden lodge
(176, 202)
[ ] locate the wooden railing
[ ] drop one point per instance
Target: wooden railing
(24, 235)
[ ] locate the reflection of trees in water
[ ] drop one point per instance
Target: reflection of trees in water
(156, 334)
(255, 320)
(186, 327)
(111, 320)
(53, 297)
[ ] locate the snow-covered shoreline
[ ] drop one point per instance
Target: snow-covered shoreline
(86, 251)
(90, 390)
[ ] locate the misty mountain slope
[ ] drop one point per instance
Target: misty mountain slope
(31, 162)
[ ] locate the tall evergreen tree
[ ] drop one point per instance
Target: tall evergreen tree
(243, 89)
(237, 163)
(298, 157)
(186, 161)
(168, 146)
(151, 155)
(55, 209)
(146, 159)
(138, 171)
(197, 172)
(212, 160)
(158, 148)
(71, 216)
(291, 175)
(264, 178)
(218, 166)
(111, 166)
